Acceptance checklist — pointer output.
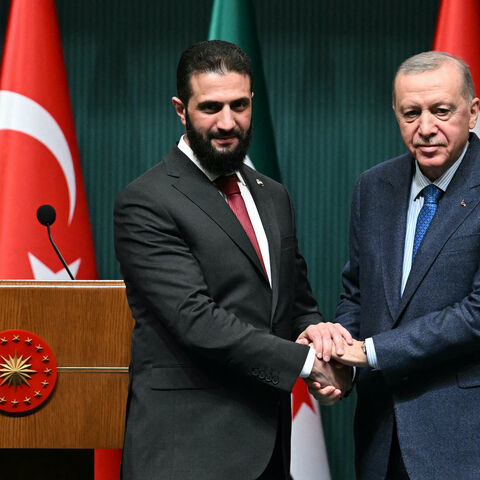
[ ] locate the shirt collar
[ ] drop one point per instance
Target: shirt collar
(186, 149)
(420, 181)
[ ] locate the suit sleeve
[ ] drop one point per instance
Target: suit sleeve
(157, 261)
(440, 337)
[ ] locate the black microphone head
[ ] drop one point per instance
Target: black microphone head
(46, 215)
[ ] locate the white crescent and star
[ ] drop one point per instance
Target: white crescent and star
(42, 272)
(22, 114)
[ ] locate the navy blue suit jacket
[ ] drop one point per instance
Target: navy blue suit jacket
(428, 340)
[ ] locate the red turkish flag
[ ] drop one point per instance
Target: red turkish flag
(39, 161)
(458, 33)
(107, 464)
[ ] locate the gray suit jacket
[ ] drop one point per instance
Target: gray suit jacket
(428, 340)
(212, 359)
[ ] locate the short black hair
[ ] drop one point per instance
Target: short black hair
(211, 56)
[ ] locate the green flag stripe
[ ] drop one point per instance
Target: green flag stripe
(234, 21)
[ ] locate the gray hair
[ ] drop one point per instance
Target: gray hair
(428, 61)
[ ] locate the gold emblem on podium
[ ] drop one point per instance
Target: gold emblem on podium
(27, 367)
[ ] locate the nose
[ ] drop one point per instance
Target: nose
(427, 126)
(225, 119)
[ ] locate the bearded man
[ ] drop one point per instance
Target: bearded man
(218, 290)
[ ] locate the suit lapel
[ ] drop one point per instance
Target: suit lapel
(462, 190)
(392, 217)
(191, 181)
(264, 203)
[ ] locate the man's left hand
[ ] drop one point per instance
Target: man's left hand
(325, 337)
(352, 355)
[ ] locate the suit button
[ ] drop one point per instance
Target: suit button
(261, 374)
(254, 372)
(268, 378)
(275, 380)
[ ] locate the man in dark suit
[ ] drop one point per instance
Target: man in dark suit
(412, 285)
(218, 290)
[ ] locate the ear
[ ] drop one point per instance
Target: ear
(473, 112)
(180, 109)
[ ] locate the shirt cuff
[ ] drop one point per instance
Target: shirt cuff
(371, 354)
(308, 365)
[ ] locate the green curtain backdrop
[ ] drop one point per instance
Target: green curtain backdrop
(328, 69)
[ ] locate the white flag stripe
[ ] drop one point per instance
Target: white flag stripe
(309, 455)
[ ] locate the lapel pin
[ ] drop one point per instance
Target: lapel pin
(463, 203)
(259, 182)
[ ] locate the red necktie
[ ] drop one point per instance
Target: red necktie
(229, 187)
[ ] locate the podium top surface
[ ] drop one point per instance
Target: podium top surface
(63, 283)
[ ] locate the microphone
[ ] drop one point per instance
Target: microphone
(46, 215)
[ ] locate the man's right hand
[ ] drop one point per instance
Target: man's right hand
(329, 381)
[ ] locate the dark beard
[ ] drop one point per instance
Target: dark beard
(213, 160)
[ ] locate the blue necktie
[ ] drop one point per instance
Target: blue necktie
(431, 194)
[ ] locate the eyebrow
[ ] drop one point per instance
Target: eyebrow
(433, 105)
(241, 101)
(207, 104)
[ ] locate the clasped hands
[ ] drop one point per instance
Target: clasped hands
(336, 352)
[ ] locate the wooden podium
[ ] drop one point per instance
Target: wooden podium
(88, 325)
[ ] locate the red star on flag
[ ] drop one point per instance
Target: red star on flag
(300, 395)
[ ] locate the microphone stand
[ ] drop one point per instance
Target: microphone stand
(58, 253)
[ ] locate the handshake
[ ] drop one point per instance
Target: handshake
(336, 353)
